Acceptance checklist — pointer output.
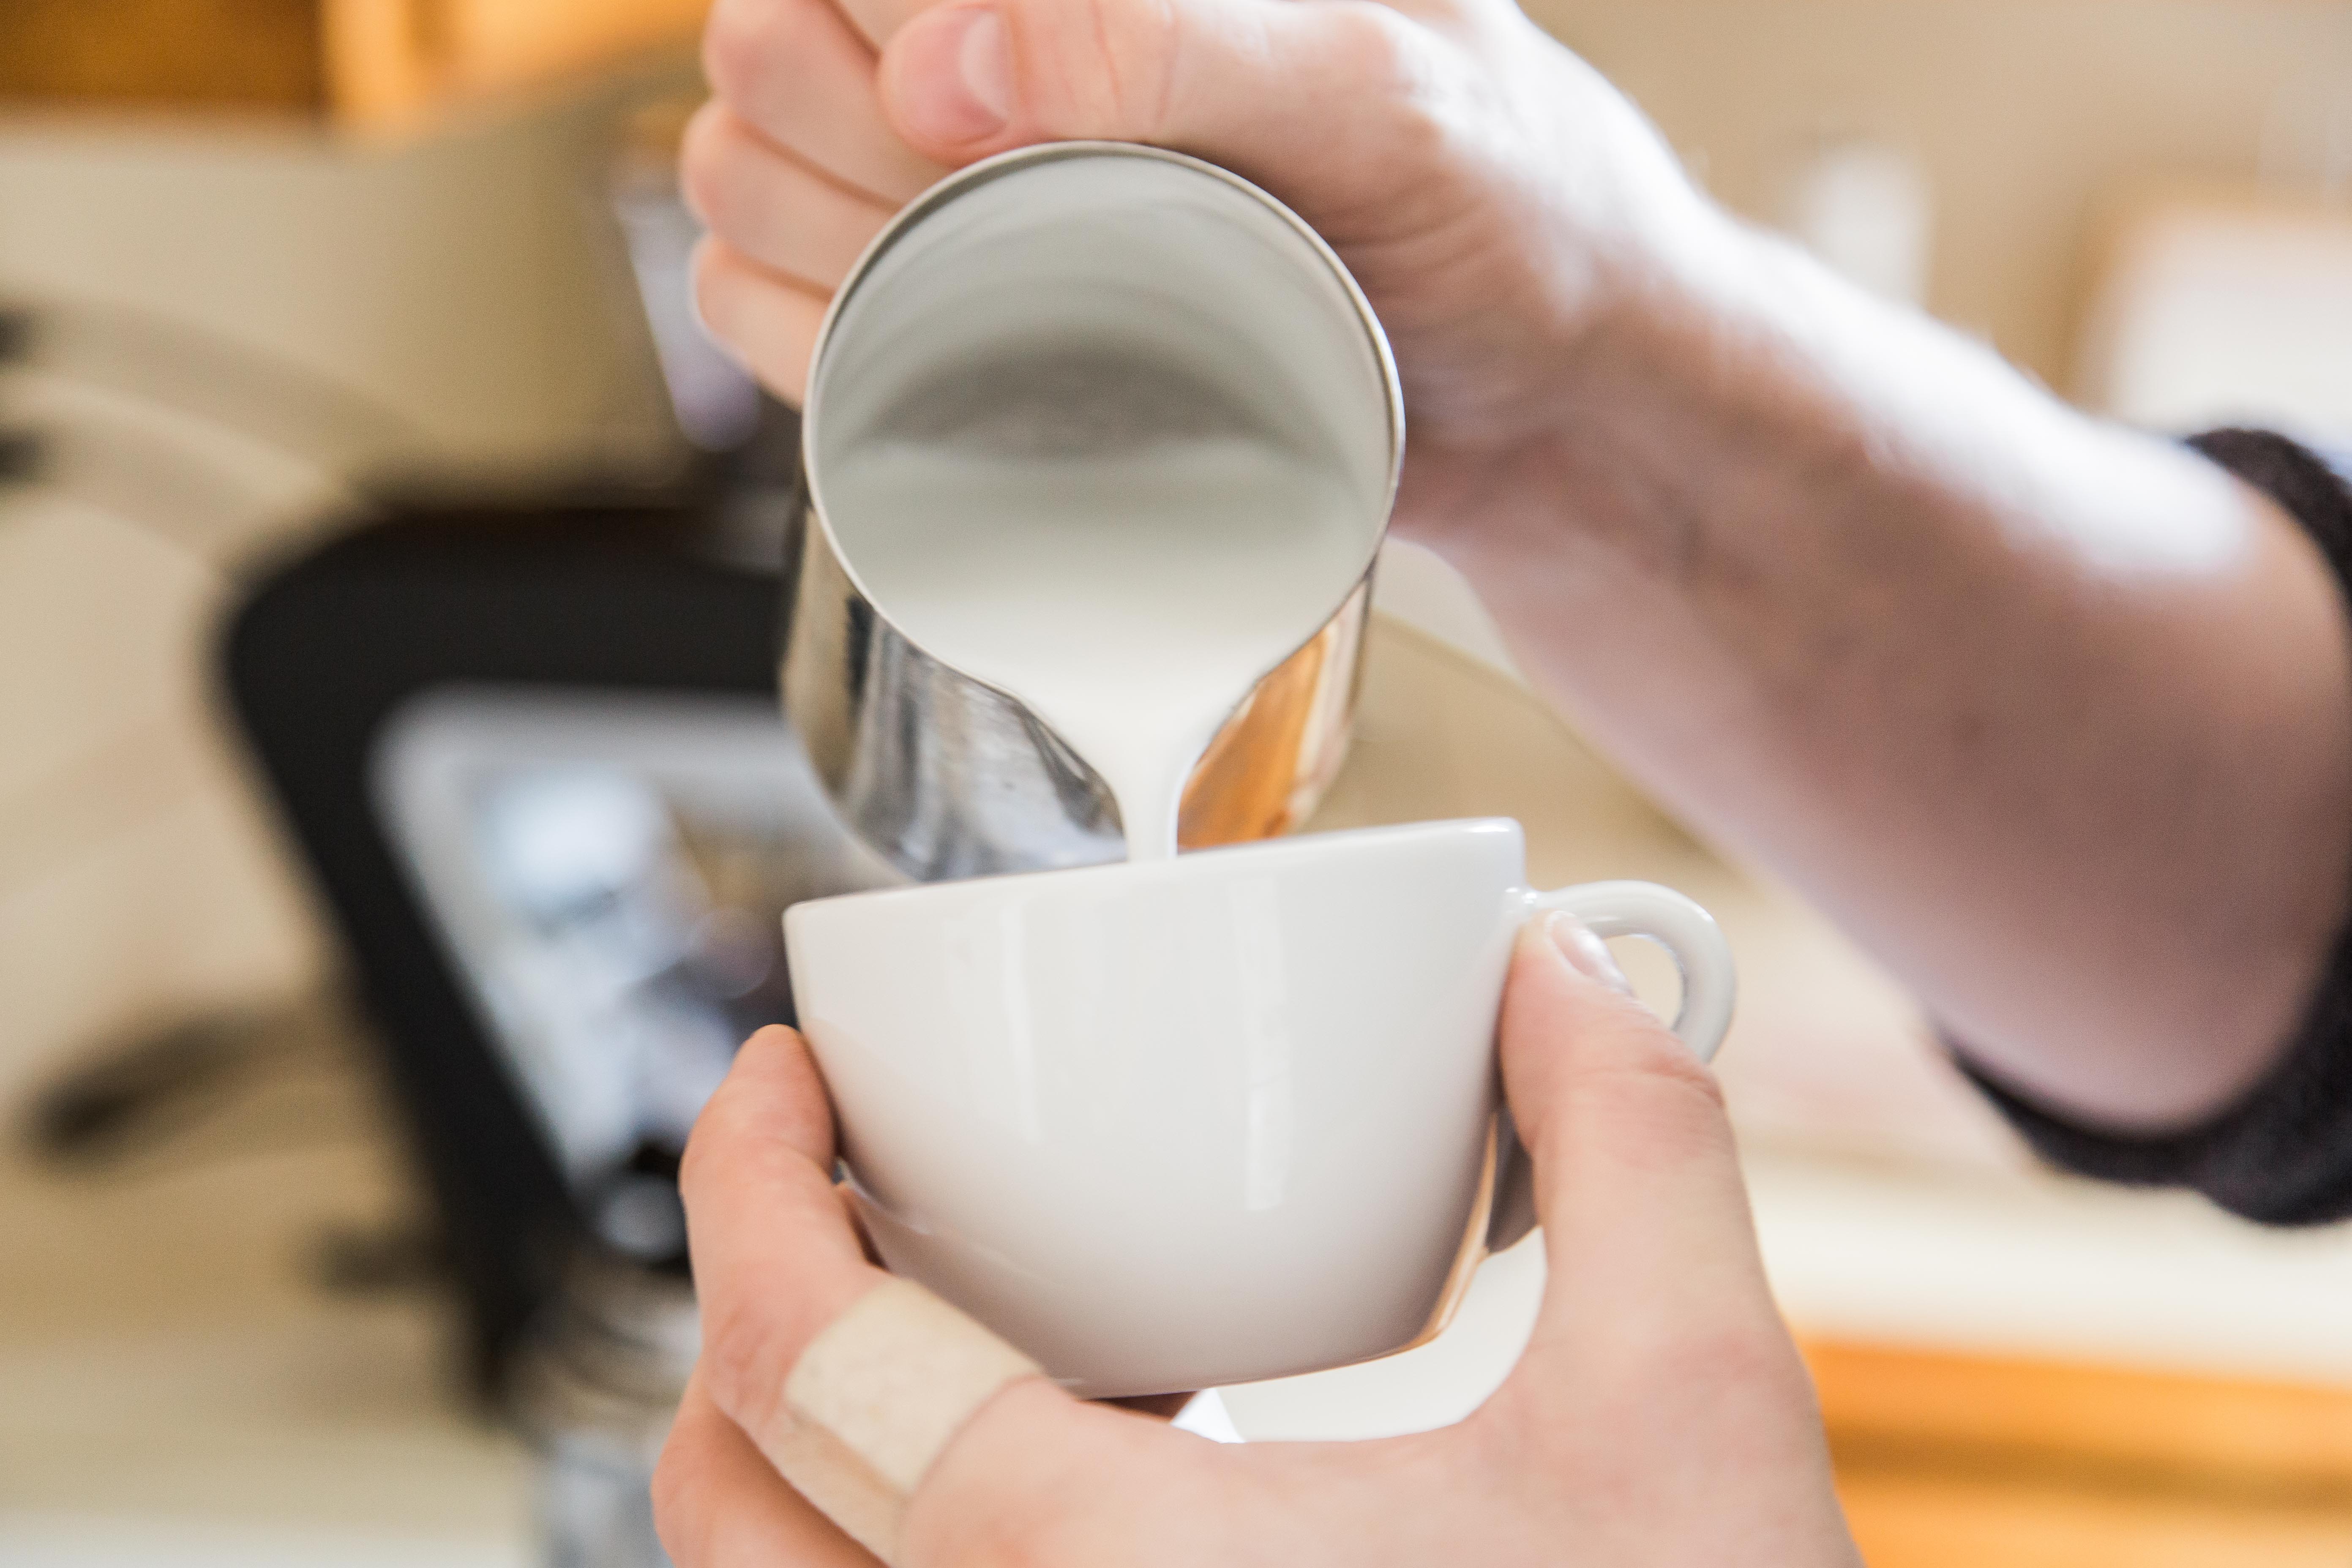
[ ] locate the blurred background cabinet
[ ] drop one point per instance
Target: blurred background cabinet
(364, 62)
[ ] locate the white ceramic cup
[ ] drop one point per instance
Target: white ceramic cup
(1188, 1122)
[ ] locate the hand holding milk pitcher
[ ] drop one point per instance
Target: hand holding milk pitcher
(1100, 446)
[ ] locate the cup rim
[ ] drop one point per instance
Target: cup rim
(1193, 865)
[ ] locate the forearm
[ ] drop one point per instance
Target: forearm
(2055, 718)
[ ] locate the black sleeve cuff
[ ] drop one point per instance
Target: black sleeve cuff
(2283, 1153)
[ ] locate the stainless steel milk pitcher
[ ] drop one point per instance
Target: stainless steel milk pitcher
(1077, 297)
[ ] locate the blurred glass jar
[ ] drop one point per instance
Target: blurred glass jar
(593, 1389)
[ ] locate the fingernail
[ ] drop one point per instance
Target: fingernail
(960, 70)
(1584, 949)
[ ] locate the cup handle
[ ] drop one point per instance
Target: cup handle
(1709, 983)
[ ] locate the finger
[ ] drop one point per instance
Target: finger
(1646, 1225)
(767, 321)
(719, 1504)
(775, 1259)
(770, 208)
(799, 73)
(1312, 100)
(1656, 1317)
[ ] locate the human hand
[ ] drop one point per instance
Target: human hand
(1659, 1415)
(1498, 202)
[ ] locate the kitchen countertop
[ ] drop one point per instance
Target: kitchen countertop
(177, 1389)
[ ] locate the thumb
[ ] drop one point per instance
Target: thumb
(1329, 93)
(1647, 1234)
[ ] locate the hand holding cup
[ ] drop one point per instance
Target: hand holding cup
(1659, 1414)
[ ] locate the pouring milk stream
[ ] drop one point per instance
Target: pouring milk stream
(1113, 443)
